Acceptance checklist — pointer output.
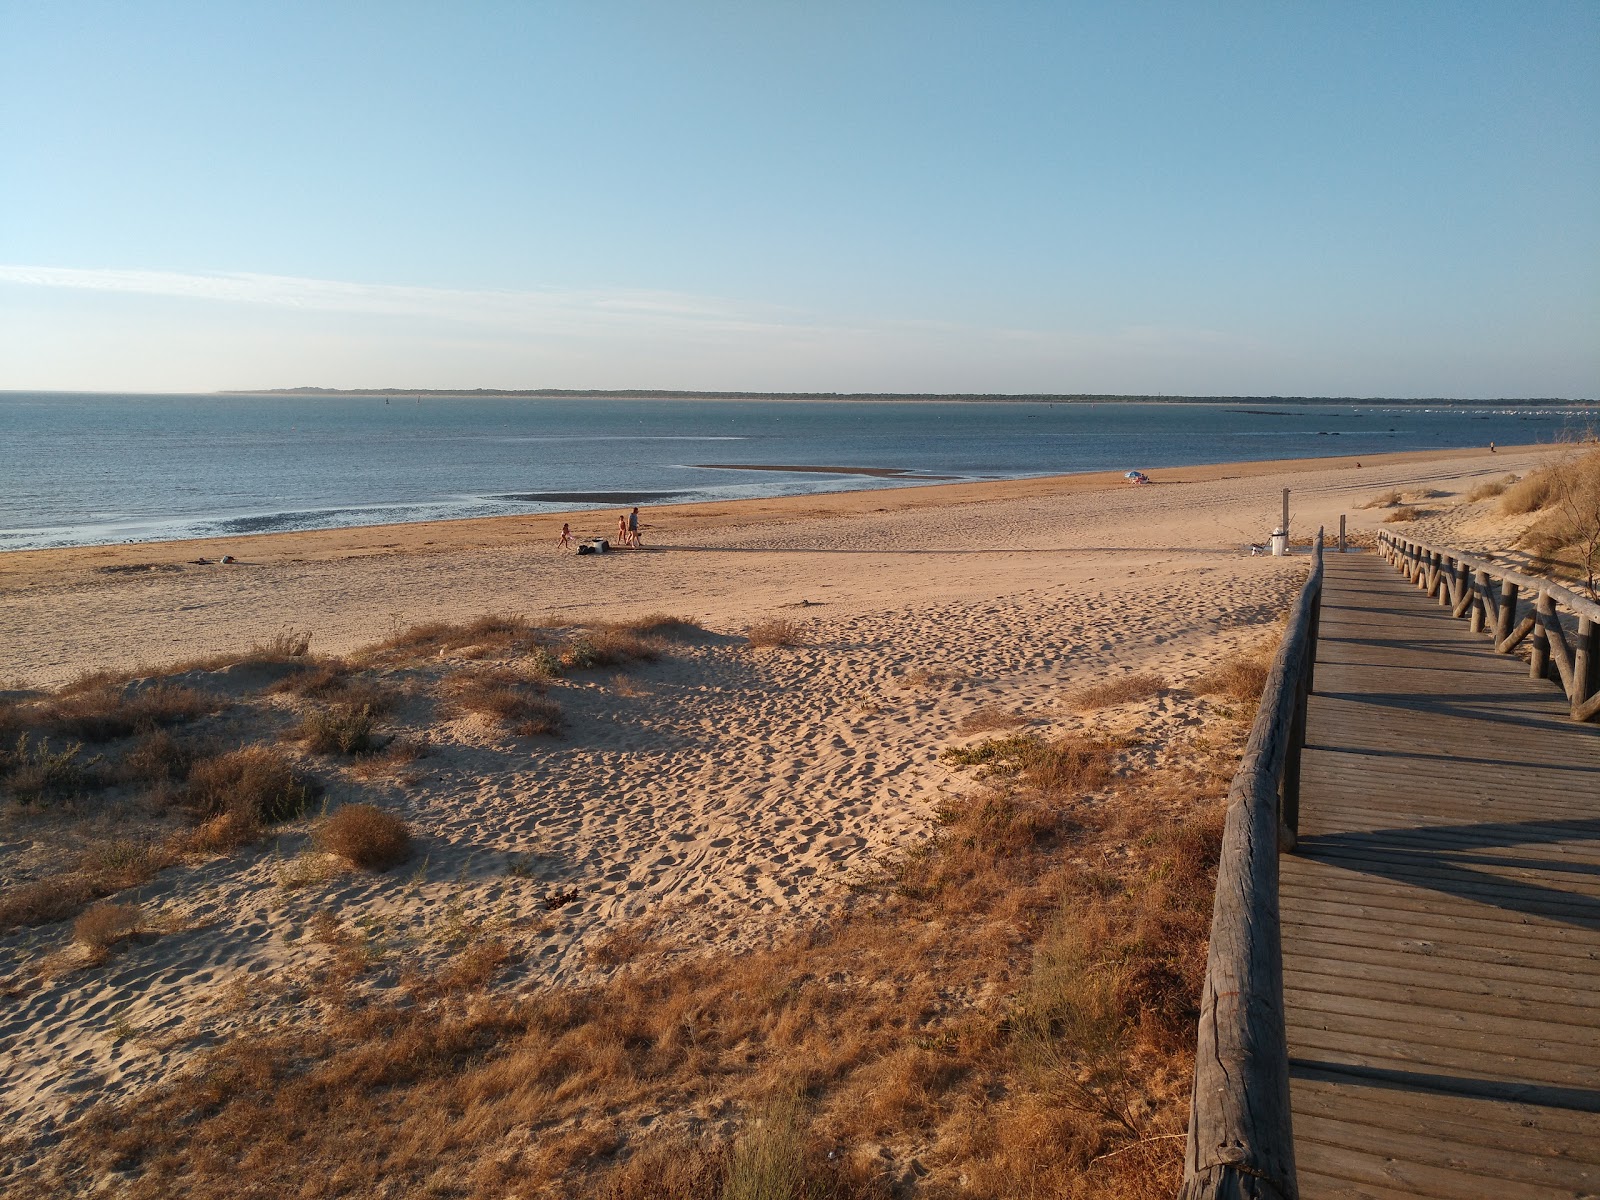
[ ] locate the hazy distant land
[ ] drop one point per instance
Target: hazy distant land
(961, 397)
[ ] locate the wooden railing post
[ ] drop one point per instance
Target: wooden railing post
(1480, 611)
(1507, 615)
(1586, 669)
(1241, 1142)
(1539, 661)
(1465, 583)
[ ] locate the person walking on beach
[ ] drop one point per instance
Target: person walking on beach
(622, 530)
(633, 529)
(565, 541)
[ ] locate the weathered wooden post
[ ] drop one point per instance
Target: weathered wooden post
(1480, 585)
(1341, 533)
(1586, 669)
(1539, 663)
(1507, 615)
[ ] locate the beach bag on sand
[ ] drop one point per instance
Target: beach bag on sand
(595, 546)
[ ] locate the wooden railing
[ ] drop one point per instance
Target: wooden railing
(1240, 1140)
(1491, 596)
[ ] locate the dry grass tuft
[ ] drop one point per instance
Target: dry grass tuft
(1125, 690)
(509, 698)
(989, 718)
(773, 633)
(341, 729)
(399, 753)
(488, 636)
(622, 945)
(1490, 489)
(1384, 499)
(660, 625)
(1050, 767)
(1565, 539)
(34, 773)
(1402, 514)
(929, 677)
(102, 926)
(93, 712)
(255, 784)
(222, 834)
(157, 758)
(365, 836)
(1240, 678)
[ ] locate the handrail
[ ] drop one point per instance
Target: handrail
(1240, 1141)
(1463, 581)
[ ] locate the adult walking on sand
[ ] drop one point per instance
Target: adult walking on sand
(633, 529)
(565, 541)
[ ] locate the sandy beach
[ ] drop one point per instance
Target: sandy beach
(724, 794)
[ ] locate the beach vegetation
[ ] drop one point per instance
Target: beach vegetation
(507, 697)
(1402, 514)
(1491, 488)
(989, 718)
(1125, 689)
(34, 773)
(253, 783)
(101, 926)
(1241, 677)
(1564, 537)
(365, 836)
(819, 1054)
(158, 758)
(1383, 499)
(340, 729)
(929, 677)
(396, 754)
(100, 870)
(773, 633)
(93, 711)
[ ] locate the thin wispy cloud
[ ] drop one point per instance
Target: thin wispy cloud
(495, 337)
(491, 306)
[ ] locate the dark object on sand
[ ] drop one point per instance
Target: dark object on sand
(595, 546)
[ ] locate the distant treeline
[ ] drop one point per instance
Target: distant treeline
(966, 397)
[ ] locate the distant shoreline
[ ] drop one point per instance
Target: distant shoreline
(903, 397)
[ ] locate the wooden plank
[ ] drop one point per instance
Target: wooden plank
(1402, 1052)
(1441, 993)
(1533, 1128)
(1429, 912)
(1443, 943)
(1417, 1179)
(1440, 1031)
(1436, 1148)
(1558, 985)
(1582, 1042)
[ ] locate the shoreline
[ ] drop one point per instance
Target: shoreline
(21, 567)
(729, 564)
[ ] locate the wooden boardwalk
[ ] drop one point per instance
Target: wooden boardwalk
(1441, 917)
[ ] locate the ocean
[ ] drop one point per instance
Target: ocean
(94, 469)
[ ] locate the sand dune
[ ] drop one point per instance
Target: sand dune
(718, 798)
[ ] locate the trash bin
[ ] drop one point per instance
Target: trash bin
(1280, 542)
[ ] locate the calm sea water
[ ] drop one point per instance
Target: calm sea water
(91, 469)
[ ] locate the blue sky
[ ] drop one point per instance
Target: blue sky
(1233, 198)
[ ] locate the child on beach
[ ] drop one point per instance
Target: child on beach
(622, 530)
(565, 540)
